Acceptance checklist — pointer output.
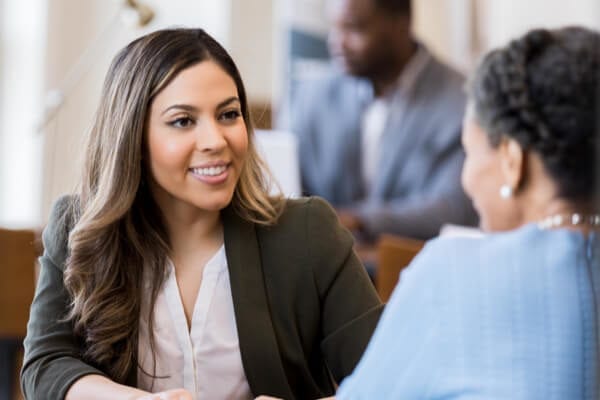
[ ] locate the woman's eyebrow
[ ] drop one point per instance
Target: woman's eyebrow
(184, 107)
(190, 108)
(228, 101)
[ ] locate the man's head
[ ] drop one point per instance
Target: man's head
(370, 38)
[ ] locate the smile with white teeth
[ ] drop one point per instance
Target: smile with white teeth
(210, 171)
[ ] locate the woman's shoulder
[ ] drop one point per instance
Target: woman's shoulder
(492, 240)
(312, 222)
(299, 207)
(460, 267)
(56, 233)
(521, 245)
(312, 215)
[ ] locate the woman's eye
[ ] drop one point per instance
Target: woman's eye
(230, 115)
(183, 122)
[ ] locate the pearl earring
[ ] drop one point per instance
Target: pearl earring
(506, 191)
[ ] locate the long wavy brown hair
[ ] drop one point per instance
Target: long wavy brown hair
(119, 239)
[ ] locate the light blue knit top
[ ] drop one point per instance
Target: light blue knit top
(508, 316)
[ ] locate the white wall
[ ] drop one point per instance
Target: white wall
(22, 40)
(460, 30)
(73, 26)
(506, 19)
(251, 46)
(434, 23)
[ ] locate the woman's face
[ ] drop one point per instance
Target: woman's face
(197, 140)
(482, 178)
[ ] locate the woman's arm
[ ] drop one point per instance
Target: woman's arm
(350, 307)
(277, 398)
(98, 387)
(52, 361)
(52, 366)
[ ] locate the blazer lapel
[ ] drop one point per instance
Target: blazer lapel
(401, 134)
(397, 137)
(258, 344)
(339, 166)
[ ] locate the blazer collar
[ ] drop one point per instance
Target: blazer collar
(256, 334)
(258, 344)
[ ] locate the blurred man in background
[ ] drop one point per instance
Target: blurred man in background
(380, 136)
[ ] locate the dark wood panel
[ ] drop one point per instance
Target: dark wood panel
(394, 253)
(18, 254)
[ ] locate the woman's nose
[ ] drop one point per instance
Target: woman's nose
(210, 137)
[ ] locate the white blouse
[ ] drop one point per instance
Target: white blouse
(206, 361)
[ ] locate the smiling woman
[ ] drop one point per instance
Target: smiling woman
(173, 271)
(197, 140)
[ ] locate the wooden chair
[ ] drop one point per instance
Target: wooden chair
(19, 250)
(393, 253)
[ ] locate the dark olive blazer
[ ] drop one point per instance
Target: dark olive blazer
(304, 306)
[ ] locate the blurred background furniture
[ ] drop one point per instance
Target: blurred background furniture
(393, 254)
(279, 149)
(19, 250)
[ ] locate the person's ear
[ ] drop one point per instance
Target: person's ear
(512, 163)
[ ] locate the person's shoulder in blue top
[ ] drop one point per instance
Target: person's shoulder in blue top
(510, 315)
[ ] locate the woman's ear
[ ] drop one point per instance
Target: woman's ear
(512, 163)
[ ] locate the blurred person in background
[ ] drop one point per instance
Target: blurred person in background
(514, 314)
(379, 136)
(173, 271)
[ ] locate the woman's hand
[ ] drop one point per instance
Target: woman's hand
(174, 394)
(277, 398)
